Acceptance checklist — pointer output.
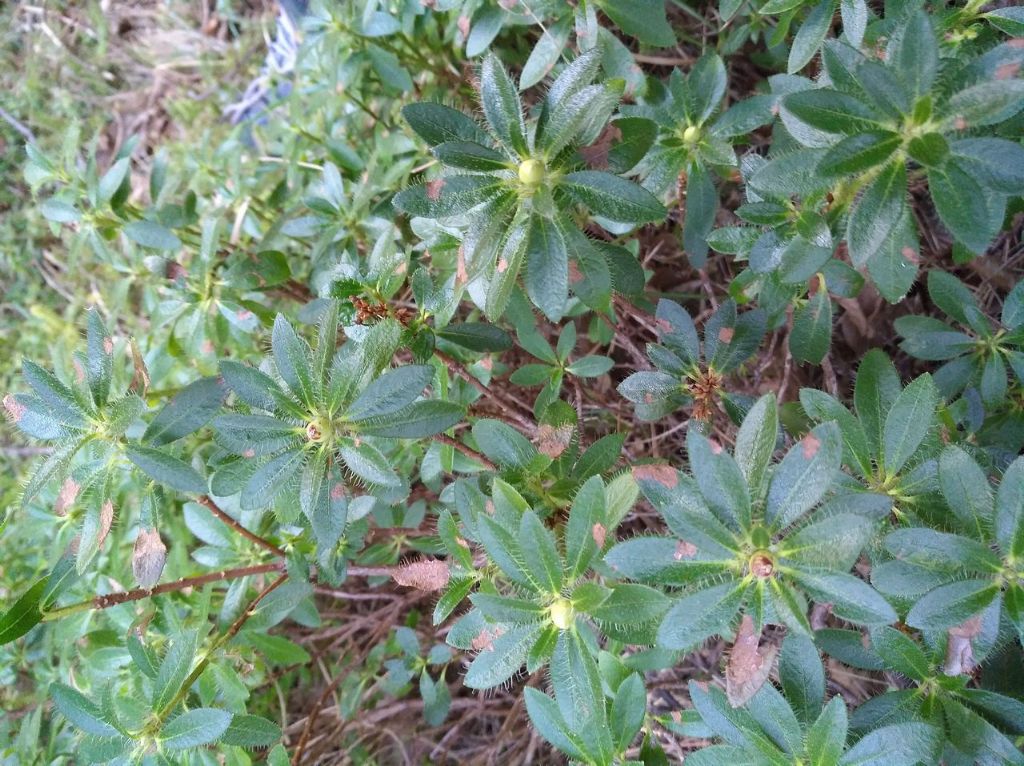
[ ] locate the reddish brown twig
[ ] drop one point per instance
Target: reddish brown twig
(206, 502)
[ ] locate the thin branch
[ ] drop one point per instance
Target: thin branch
(205, 501)
(122, 597)
(467, 451)
(462, 372)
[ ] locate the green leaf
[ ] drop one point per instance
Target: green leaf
(726, 350)
(908, 422)
(802, 676)
(436, 124)
(628, 710)
(698, 616)
(941, 550)
(368, 464)
(902, 744)
(58, 398)
(166, 469)
(987, 103)
(995, 163)
(901, 653)
(720, 480)
(701, 206)
(546, 718)
(826, 738)
(503, 444)
(952, 604)
(587, 521)
(830, 111)
(251, 731)
(391, 392)
(545, 54)
(755, 441)
(173, 670)
(59, 212)
(448, 196)
(811, 35)
(99, 357)
(1010, 20)
(510, 262)
(501, 105)
(851, 598)
(502, 655)
(590, 366)
(643, 19)
(293, 359)
(54, 466)
(24, 613)
(912, 53)
(152, 235)
(416, 421)
(254, 435)
(876, 387)
(811, 335)
(187, 411)
(577, 685)
(81, 711)
(877, 214)
(470, 156)
(1009, 526)
(199, 726)
(539, 553)
(547, 268)
(859, 152)
(961, 205)
(965, 487)
(612, 197)
(477, 336)
(804, 476)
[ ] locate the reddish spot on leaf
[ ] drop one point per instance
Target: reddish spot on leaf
(207, 347)
(434, 189)
(487, 363)
(426, 575)
(663, 325)
(748, 666)
(596, 155)
(553, 440)
(684, 550)
(108, 346)
(810, 444)
(725, 334)
(79, 372)
(1007, 71)
(575, 275)
(910, 255)
(463, 24)
(648, 398)
(1016, 42)
(665, 475)
(484, 640)
(960, 123)
(489, 507)
(716, 448)
(502, 265)
(599, 532)
(959, 651)
(338, 491)
(243, 314)
(461, 275)
(249, 453)
(106, 519)
(148, 558)
(15, 409)
(66, 496)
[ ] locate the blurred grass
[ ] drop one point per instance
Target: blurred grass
(103, 70)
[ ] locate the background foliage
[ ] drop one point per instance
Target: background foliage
(655, 366)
